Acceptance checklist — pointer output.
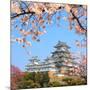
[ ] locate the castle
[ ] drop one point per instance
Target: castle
(60, 63)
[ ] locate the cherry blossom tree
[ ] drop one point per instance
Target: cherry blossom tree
(30, 19)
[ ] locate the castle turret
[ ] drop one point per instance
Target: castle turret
(62, 58)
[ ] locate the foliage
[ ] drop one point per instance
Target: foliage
(83, 66)
(74, 81)
(41, 79)
(32, 80)
(16, 76)
(33, 18)
(54, 84)
(26, 84)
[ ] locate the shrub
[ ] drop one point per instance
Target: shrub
(74, 81)
(54, 84)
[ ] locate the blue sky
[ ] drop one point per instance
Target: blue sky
(42, 49)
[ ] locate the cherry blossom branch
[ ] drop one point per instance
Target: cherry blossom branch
(74, 17)
(17, 15)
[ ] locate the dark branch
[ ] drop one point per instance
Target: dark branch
(23, 13)
(76, 18)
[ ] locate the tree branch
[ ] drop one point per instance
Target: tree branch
(23, 13)
(77, 21)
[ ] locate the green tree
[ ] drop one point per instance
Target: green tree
(74, 81)
(54, 84)
(34, 80)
